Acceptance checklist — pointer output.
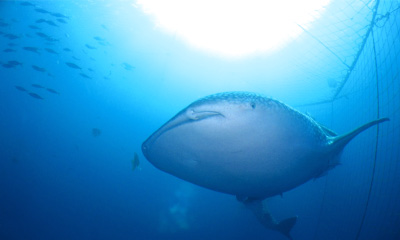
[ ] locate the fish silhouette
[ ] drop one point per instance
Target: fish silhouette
(3, 24)
(34, 95)
(90, 46)
(52, 91)
(39, 69)
(96, 132)
(249, 146)
(15, 63)
(34, 27)
(61, 20)
(49, 50)
(32, 49)
(135, 161)
(8, 50)
(127, 66)
(59, 15)
(42, 35)
(51, 23)
(40, 10)
(11, 36)
(27, 4)
(85, 76)
(20, 88)
(99, 39)
(72, 65)
(36, 85)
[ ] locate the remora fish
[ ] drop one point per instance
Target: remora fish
(246, 145)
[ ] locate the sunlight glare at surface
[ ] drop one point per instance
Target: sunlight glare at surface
(234, 28)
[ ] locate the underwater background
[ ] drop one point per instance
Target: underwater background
(83, 83)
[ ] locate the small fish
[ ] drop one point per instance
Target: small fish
(52, 91)
(39, 69)
(8, 50)
(59, 15)
(36, 85)
(32, 49)
(104, 27)
(27, 4)
(42, 35)
(14, 63)
(50, 39)
(34, 95)
(40, 20)
(11, 36)
(135, 161)
(72, 65)
(20, 88)
(3, 24)
(105, 43)
(49, 50)
(90, 69)
(85, 76)
(90, 47)
(127, 66)
(67, 50)
(99, 39)
(96, 132)
(51, 23)
(61, 20)
(34, 27)
(78, 59)
(7, 65)
(39, 10)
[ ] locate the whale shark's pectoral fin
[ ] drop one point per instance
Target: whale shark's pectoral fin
(268, 221)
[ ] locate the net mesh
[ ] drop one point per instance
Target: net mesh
(367, 87)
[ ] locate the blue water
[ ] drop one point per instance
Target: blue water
(68, 133)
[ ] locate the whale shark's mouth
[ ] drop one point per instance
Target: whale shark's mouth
(184, 117)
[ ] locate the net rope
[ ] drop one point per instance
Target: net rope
(385, 19)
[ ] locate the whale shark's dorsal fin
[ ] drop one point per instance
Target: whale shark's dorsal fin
(327, 131)
(339, 142)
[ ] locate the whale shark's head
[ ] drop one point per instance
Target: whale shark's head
(203, 117)
(210, 141)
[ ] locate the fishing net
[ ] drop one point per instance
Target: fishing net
(363, 41)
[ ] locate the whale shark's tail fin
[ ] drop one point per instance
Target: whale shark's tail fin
(285, 226)
(266, 219)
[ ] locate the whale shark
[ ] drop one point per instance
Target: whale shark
(247, 145)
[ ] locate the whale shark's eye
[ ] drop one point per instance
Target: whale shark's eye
(253, 105)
